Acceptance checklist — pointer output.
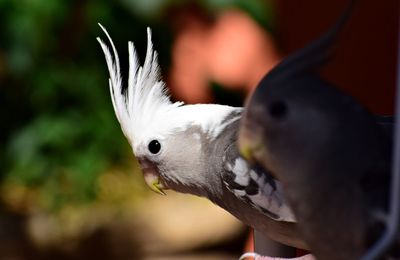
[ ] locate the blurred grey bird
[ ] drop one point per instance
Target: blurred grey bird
(329, 154)
(192, 148)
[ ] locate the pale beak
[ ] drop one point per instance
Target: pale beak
(153, 181)
(151, 177)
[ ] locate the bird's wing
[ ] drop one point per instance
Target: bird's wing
(255, 186)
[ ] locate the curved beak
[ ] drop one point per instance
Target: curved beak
(151, 176)
(153, 181)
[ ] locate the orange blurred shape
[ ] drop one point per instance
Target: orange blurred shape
(239, 52)
(234, 51)
(188, 75)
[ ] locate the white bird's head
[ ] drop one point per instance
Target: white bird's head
(167, 138)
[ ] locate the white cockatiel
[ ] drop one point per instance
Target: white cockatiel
(192, 148)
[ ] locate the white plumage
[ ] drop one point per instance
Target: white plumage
(146, 92)
(145, 110)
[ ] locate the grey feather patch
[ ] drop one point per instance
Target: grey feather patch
(256, 187)
(250, 184)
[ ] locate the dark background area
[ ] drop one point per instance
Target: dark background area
(364, 63)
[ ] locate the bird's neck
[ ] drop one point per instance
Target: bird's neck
(215, 156)
(214, 128)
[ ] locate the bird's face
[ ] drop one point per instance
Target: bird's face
(171, 160)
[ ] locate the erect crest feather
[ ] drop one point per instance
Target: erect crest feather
(146, 96)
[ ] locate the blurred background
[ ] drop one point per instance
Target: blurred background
(70, 187)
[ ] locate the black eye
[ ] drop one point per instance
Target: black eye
(154, 146)
(278, 109)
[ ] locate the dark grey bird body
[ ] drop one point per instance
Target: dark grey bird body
(327, 151)
(332, 159)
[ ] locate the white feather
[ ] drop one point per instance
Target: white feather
(145, 111)
(145, 96)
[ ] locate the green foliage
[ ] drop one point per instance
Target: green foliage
(60, 133)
